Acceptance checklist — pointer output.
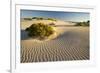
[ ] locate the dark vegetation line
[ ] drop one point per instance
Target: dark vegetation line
(87, 23)
(40, 18)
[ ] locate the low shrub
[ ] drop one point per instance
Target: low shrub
(40, 30)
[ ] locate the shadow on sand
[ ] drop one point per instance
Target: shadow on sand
(24, 35)
(63, 36)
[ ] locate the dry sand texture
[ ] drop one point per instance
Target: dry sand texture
(71, 44)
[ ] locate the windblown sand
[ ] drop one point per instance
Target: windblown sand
(71, 44)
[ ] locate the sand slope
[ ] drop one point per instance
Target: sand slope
(71, 44)
(25, 24)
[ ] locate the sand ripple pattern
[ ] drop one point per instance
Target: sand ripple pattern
(72, 44)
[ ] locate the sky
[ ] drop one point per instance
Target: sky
(66, 16)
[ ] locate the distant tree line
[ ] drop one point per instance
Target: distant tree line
(27, 18)
(87, 23)
(40, 18)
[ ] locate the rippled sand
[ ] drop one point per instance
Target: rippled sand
(71, 44)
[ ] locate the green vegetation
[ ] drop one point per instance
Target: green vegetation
(41, 18)
(52, 19)
(83, 23)
(27, 18)
(40, 30)
(38, 18)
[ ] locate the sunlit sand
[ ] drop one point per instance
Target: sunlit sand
(70, 43)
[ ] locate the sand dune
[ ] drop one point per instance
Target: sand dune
(25, 24)
(71, 44)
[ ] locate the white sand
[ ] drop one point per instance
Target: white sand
(71, 44)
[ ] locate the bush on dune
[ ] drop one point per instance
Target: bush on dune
(52, 19)
(40, 30)
(38, 18)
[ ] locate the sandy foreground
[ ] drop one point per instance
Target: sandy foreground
(71, 44)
